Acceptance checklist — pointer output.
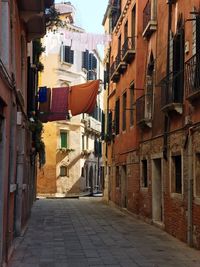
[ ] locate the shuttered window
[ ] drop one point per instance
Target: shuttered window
(89, 61)
(178, 65)
(85, 59)
(67, 55)
(63, 139)
(117, 112)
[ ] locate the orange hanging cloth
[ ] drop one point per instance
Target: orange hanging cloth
(82, 97)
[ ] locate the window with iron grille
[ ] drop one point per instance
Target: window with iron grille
(132, 101)
(67, 54)
(124, 112)
(144, 182)
(176, 178)
(63, 139)
(64, 171)
(117, 116)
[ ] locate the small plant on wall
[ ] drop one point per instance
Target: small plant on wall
(36, 128)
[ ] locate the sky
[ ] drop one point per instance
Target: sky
(89, 14)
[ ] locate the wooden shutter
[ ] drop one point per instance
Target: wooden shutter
(198, 34)
(63, 140)
(94, 62)
(103, 126)
(85, 59)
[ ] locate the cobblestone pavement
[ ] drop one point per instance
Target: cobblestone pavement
(85, 232)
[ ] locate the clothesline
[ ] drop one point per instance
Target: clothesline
(55, 103)
(79, 41)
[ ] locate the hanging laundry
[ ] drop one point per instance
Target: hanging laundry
(44, 107)
(42, 94)
(82, 97)
(59, 104)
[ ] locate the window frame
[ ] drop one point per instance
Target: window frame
(67, 139)
(124, 107)
(173, 175)
(196, 195)
(66, 171)
(144, 179)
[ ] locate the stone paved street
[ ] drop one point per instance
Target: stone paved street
(85, 232)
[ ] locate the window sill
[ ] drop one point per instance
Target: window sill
(144, 189)
(66, 63)
(177, 196)
(197, 200)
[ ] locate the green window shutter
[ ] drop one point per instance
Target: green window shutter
(63, 140)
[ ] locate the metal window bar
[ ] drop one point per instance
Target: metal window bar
(172, 88)
(192, 72)
(129, 44)
(144, 107)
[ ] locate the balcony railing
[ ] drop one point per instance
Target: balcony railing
(128, 49)
(192, 72)
(114, 75)
(121, 65)
(149, 22)
(144, 110)
(172, 92)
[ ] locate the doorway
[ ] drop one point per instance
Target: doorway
(124, 198)
(91, 184)
(157, 192)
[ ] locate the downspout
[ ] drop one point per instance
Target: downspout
(107, 109)
(190, 190)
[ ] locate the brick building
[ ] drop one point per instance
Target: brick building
(21, 22)
(153, 114)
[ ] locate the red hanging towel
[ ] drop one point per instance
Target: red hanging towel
(82, 97)
(59, 104)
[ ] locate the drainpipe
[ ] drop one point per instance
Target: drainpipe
(190, 190)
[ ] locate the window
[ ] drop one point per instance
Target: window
(64, 171)
(117, 112)
(63, 139)
(119, 44)
(125, 31)
(133, 22)
(144, 173)
(132, 104)
(67, 54)
(197, 176)
(83, 142)
(89, 61)
(117, 177)
(124, 112)
(177, 174)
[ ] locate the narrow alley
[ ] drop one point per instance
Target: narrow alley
(85, 232)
